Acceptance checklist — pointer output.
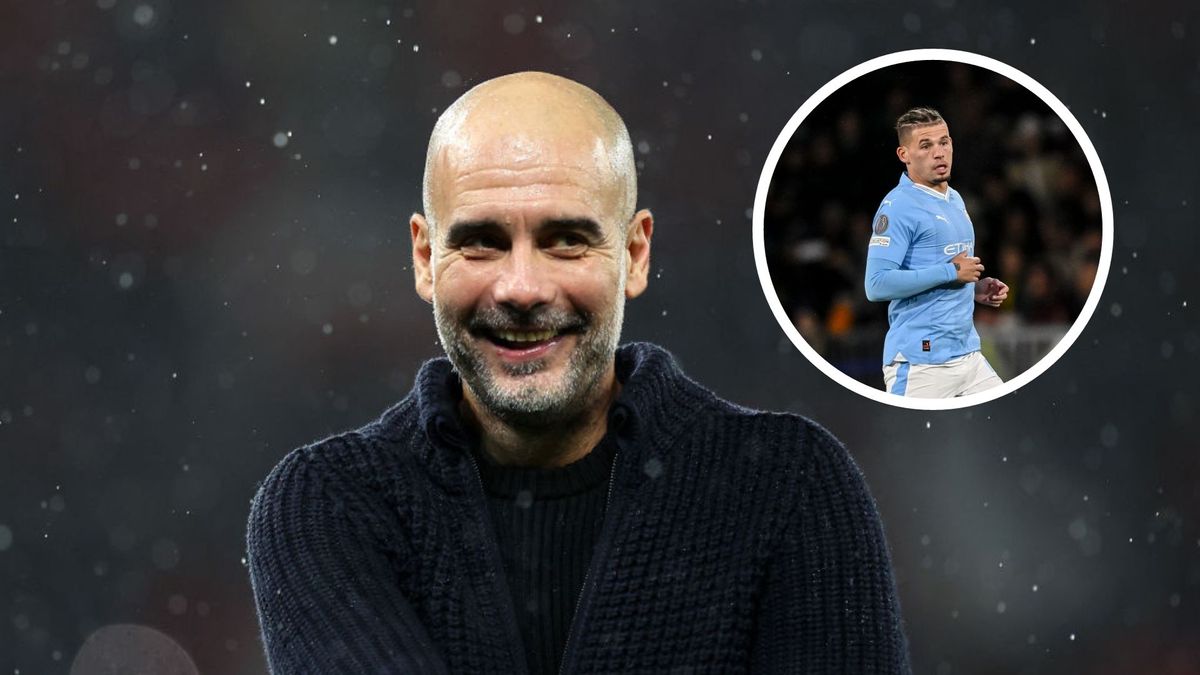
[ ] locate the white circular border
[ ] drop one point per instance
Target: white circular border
(1106, 217)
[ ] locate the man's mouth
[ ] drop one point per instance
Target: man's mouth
(520, 339)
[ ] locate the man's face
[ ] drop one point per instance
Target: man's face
(528, 274)
(929, 154)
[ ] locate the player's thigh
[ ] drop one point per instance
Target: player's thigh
(980, 377)
(934, 380)
(919, 380)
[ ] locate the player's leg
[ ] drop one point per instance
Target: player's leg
(922, 380)
(980, 375)
(933, 380)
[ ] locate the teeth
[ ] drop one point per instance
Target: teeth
(538, 336)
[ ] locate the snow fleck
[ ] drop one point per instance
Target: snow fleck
(1077, 529)
(709, 137)
(1174, 600)
(1033, 41)
(91, 374)
(6, 538)
(653, 467)
(1115, 309)
(756, 54)
(416, 48)
(927, 424)
(1001, 607)
(177, 604)
(524, 499)
(280, 139)
(327, 329)
(1034, 588)
(538, 18)
(143, 15)
(1109, 435)
(262, 101)
(1072, 638)
(333, 39)
(514, 24)
(643, 147)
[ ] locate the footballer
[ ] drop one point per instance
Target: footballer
(921, 258)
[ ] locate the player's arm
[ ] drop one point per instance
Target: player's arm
(886, 281)
(324, 569)
(829, 604)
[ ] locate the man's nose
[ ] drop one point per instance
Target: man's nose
(524, 281)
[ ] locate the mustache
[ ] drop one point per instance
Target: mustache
(492, 319)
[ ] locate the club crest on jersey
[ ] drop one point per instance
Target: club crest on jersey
(881, 224)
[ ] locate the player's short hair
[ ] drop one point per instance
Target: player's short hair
(916, 117)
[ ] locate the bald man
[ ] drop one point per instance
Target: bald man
(545, 500)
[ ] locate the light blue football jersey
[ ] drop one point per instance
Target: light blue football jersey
(917, 227)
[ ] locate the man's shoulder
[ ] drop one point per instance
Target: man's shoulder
(786, 440)
(348, 460)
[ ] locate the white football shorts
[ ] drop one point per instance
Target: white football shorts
(962, 376)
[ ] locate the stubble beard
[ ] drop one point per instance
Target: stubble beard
(528, 404)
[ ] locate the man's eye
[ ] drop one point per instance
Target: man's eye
(566, 242)
(480, 241)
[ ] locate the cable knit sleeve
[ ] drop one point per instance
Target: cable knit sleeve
(830, 603)
(324, 575)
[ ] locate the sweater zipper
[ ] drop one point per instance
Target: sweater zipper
(505, 597)
(612, 479)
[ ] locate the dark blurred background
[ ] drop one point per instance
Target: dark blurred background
(205, 263)
(1026, 182)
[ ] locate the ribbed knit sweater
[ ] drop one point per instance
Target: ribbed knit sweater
(547, 522)
(734, 541)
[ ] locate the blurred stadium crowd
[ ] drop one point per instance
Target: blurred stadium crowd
(1026, 182)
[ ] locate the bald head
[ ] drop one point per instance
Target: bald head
(528, 120)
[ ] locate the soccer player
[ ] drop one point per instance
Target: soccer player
(922, 258)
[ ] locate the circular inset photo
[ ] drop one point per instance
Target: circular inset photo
(933, 229)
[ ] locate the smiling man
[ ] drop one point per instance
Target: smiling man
(921, 257)
(543, 500)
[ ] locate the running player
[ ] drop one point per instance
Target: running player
(922, 258)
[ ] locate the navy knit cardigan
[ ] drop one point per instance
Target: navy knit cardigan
(734, 541)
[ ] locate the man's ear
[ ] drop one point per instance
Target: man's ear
(422, 253)
(902, 154)
(637, 245)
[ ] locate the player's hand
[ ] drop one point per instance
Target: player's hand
(968, 267)
(989, 291)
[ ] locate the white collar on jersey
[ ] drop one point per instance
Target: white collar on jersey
(935, 193)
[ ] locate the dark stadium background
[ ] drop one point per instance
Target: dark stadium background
(187, 292)
(1023, 176)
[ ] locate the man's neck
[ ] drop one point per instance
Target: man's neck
(549, 446)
